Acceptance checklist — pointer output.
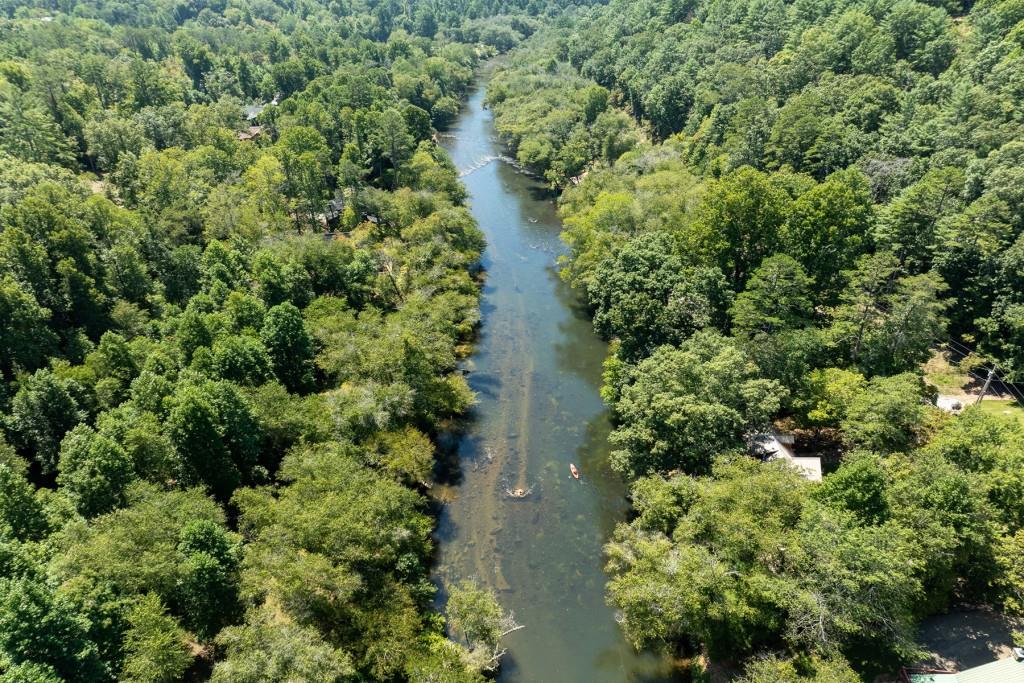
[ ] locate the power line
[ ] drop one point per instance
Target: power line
(975, 376)
(984, 388)
(967, 351)
(995, 373)
(962, 348)
(1013, 390)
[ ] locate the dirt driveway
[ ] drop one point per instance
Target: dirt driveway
(966, 637)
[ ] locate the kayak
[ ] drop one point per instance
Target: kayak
(575, 472)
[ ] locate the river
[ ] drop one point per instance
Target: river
(537, 371)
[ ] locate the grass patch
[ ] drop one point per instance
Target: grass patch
(943, 375)
(954, 377)
(1011, 411)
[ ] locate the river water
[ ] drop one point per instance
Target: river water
(537, 372)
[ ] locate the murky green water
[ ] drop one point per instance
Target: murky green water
(536, 369)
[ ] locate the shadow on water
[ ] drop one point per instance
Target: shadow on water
(537, 372)
(588, 368)
(448, 461)
(485, 386)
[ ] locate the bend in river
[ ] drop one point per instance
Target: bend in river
(537, 372)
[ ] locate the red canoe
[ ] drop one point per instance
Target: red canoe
(575, 472)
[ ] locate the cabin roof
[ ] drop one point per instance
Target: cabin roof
(1007, 670)
(250, 133)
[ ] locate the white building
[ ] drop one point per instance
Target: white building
(773, 446)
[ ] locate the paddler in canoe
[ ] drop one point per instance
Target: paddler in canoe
(575, 472)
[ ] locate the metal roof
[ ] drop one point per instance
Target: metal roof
(1008, 670)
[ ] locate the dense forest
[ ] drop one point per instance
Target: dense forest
(236, 276)
(777, 213)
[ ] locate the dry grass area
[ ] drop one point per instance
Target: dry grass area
(962, 379)
(958, 381)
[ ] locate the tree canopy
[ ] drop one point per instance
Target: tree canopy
(236, 278)
(778, 213)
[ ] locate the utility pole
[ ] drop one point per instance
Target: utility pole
(984, 389)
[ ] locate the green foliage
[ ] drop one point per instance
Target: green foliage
(974, 442)
(749, 497)
(242, 359)
(38, 628)
(136, 548)
(160, 332)
(939, 499)
(25, 339)
(443, 660)
(645, 297)
(289, 346)
(555, 122)
(739, 221)
(208, 589)
(777, 298)
(908, 225)
(886, 323)
(828, 226)
(94, 471)
(592, 234)
(45, 408)
(475, 613)
(827, 394)
(1010, 556)
(682, 406)
(109, 137)
(20, 510)
(215, 435)
(659, 501)
(156, 648)
(268, 649)
(387, 374)
(141, 434)
(751, 559)
(887, 415)
(407, 454)
(30, 672)
(771, 669)
(325, 549)
(859, 487)
(849, 170)
(29, 130)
